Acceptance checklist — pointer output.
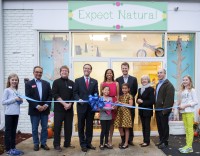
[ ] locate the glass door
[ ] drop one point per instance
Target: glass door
(99, 66)
(137, 69)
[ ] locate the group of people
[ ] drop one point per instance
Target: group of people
(121, 91)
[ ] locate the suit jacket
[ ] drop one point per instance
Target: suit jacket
(148, 100)
(81, 92)
(132, 81)
(165, 97)
(31, 91)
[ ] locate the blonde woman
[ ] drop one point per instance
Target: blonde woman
(145, 99)
(188, 99)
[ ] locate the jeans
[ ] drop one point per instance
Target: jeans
(11, 122)
(188, 119)
(35, 120)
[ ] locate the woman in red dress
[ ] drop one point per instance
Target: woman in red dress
(114, 93)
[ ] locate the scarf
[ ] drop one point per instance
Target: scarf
(144, 87)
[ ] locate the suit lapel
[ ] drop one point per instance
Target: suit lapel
(84, 84)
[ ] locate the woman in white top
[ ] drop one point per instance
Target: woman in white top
(188, 100)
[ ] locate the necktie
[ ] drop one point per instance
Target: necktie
(87, 82)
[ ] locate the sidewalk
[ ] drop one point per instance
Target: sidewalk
(27, 147)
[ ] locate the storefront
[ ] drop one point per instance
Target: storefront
(147, 35)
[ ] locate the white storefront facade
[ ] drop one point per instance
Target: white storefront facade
(34, 31)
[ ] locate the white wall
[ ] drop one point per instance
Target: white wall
(20, 52)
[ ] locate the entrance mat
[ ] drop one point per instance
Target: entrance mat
(177, 141)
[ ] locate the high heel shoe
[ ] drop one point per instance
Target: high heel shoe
(101, 147)
(108, 146)
(124, 147)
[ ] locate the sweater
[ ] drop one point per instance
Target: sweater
(12, 107)
(189, 97)
(103, 114)
(62, 88)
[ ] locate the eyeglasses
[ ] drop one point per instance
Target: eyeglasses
(38, 72)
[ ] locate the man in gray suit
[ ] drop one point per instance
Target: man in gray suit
(164, 99)
(132, 81)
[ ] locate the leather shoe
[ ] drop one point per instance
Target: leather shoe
(91, 147)
(69, 146)
(145, 145)
(162, 146)
(158, 143)
(45, 147)
(131, 143)
(36, 148)
(57, 148)
(84, 149)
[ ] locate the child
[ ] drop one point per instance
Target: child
(105, 118)
(12, 109)
(188, 99)
(123, 119)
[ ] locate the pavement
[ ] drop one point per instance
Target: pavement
(27, 147)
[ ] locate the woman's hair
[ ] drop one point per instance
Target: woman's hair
(191, 83)
(105, 78)
(125, 84)
(10, 77)
(145, 76)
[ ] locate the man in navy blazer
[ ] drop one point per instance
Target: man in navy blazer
(133, 84)
(40, 90)
(85, 86)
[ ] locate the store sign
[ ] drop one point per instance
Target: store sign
(119, 15)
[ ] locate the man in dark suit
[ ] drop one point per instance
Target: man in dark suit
(164, 99)
(63, 111)
(39, 90)
(85, 86)
(132, 81)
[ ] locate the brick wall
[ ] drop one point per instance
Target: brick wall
(20, 45)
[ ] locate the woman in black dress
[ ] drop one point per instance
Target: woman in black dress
(145, 99)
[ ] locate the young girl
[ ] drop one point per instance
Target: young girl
(188, 99)
(123, 119)
(105, 118)
(12, 109)
(114, 94)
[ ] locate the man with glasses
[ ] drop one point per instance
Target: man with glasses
(62, 90)
(164, 99)
(39, 90)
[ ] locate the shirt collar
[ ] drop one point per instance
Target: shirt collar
(36, 80)
(161, 81)
(86, 77)
(125, 76)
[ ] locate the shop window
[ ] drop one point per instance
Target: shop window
(180, 61)
(118, 45)
(53, 53)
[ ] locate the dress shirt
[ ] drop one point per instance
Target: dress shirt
(158, 86)
(39, 87)
(125, 78)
